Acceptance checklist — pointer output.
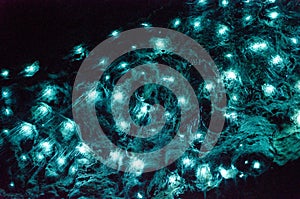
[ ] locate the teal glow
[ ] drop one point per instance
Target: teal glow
(4, 73)
(30, 70)
(176, 23)
(115, 33)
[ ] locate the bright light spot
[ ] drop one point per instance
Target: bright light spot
(187, 162)
(139, 195)
(296, 118)
(137, 165)
(6, 92)
(23, 157)
(197, 24)
(168, 79)
(146, 25)
(173, 178)
(231, 75)
(12, 184)
(30, 70)
(297, 86)
(271, 1)
(116, 156)
(259, 46)
(49, 93)
(268, 90)
(209, 86)
(103, 61)
(68, 125)
(227, 174)
(248, 17)
(5, 131)
(118, 96)
(232, 115)
(176, 22)
(246, 161)
(224, 3)
(234, 98)
(40, 157)
(181, 100)
(144, 109)
(202, 2)
(42, 110)
(203, 172)
(82, 148)
(61, 161)
(277, 60)
(4, 73)
(93, 95)
(73, 169)
(229, 55)
(47, 146)
(160, 43)
(115, 33)
(198, 135)
(27, 129)
(294, 40)
(273, 15)
(78, 49)
(256, 165)
(123, 125)
(123, 64)
(222, 30)
(107, 77)
(7, 111)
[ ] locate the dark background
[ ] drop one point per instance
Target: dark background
(48, 30)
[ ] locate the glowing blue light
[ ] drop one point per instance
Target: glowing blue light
(115, 33)
(139, 195)
(296, 118)
(136, 166)
(46, 146)
(23, 157)
(297, 86)
(268, 90)
(49, 93)
(61, 161)
(294, 40)
(123, 64)
(231, 75)
(276, 60)
(30, 70)
(176, 22)
(6, 93)
(197, 24)
(182, 100)
(224, 3)
(229, 173)
(187, 162)
(146, 25)
(4, 73)
(222, 30)
(258, 46)
(173, 179)
(247, 17)
(118, 96)
(202, 2)
(12, 184)
(256, 165)
(7, 111)
(273, 15)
